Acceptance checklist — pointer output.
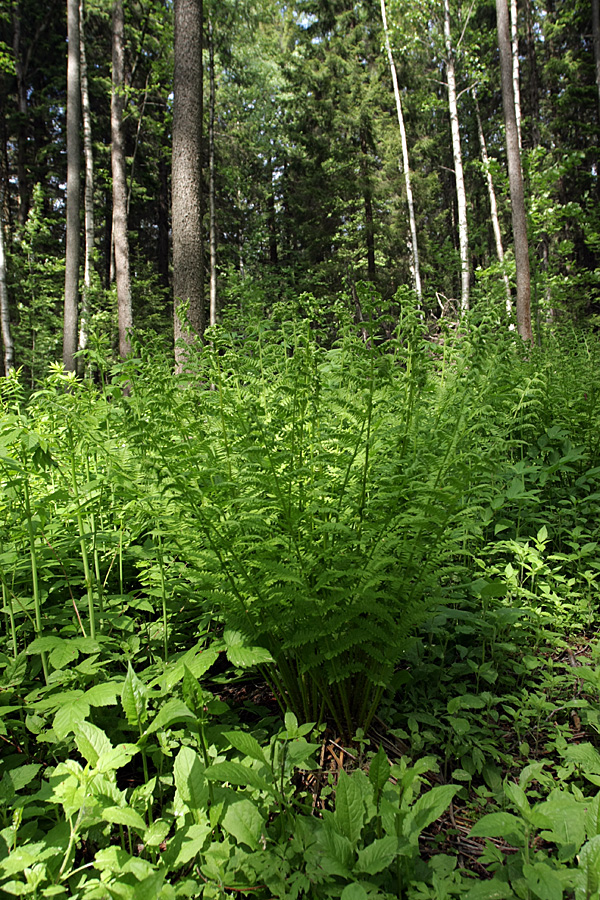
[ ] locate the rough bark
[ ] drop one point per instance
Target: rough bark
(211, 179)
(120, 235)
(515, 176)
(186, 180)
(493, 207)
(596, 38)
(514, 41)
(461, 196)
(73, 188)
(534, 81)
(88, 200)
(7, 341)
(414, 247)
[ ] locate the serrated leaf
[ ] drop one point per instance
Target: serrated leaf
(240, 654)
(490, 890)
(349, 813)
(44, 645)
(104, 694)
(246, 744)
(91, 741)
(156, 833)
(354, 892)
(193, 694)
(589, 864)
(243, 820)
(516, 795)
(173, 711)
(584, 755)
(116, 757)
(124, 815)
(542, 880)
(497, 825)
(134, 698)
(185, 845)
(236, 773)
(190, 779)
(379, 770)
(23, 775)
(63, 655)
(427, 809)
(378, 855)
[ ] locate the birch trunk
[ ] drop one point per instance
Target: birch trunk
(88, 199)
(414, 247)
(461, 197)
(596, 37)
(186, 203)
(493, 207)
(7, 341)
(514, 39)
(73, 189)
(119, 177)
(515, 176)
(211, 179)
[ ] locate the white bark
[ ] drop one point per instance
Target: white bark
(461, 196)
(9, 350)
(211, 180)
(514, 40)
(88, 200)
(414, 247)
(493, 207)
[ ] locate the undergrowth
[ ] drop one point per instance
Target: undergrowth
(312, 619)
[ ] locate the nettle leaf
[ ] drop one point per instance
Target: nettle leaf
(589, 863)
(243, 820)
(354, 892)
(156, 833)
(427, 809)
(91, 742)
(193, 694)
(592, 817)
(378, 855)
(23, 775)
(173, 711)
(584, 755)
(190, 779)
(124, 815)
(116, 757)
(68, 717)
(497, 825)
(104, 694)
(238, 774)
(349, 812)
(134, 697)
(379, 770)
(246, 744)
(185, 845)
(63, 655)
(543, 881)
(44, 645)
(490, 890)
(242, 655)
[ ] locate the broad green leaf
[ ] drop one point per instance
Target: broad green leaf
(246, 744)
(134, 698)
(589, 864)
(156, 833)
(116, 757)
(354, 892)
(173, 711)
(542, 880)
(68, 717)
(103, 694)
(23, 775)
(190, 779)
(377, 855)
(240, 654)
(427, 809)
(584, 755)
(490, 890)
(566, 817)
(497, 824)
(236, 773)
(193, 695)
(517, 796)
(349, 808)
(91, 741)
(243, 820)
(63, 655)
(185, 845)
(124, 815)
(592, 817)
(379, 770)
(44, 644)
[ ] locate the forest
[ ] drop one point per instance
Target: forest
(300, 449)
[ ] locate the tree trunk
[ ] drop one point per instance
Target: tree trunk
(514, 39)
(186, 189)
(211, 179)
(7, 341)
(163, 222)
(73, 189)
(120, 235)
(461, 197)
(534, 82)
(493, 206)
(88, 202)
(515, 176)
(596, 37)
(22, 181)
(405, 161)
(368, 206)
